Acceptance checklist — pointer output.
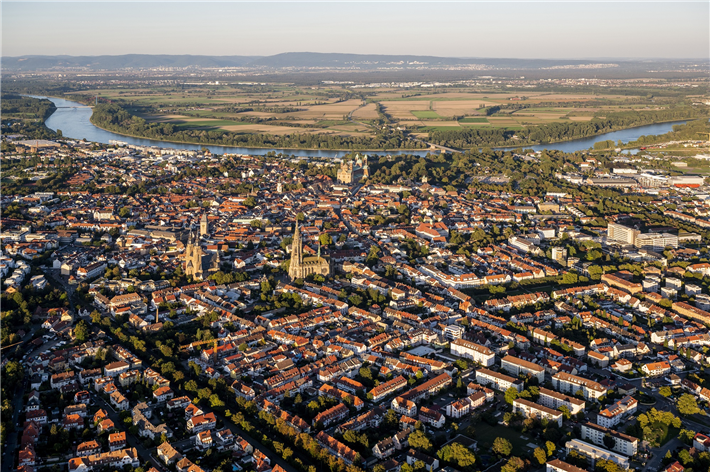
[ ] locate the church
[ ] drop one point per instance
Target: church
(351, 172)
(300, 266)
(198, 264)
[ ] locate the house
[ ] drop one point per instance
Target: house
(384, 448)
(87, 448)
(73, 422)
(163, 394)
(168, 454)
(117, 441)
(203, 440)
(430, 463)
(116, 368)
(656, 369)
(331, 415)
(113, 459)
(200, 423)
(119, 401)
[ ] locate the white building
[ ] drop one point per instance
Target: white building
(594, 453)
(568, 383)
(554, 400)
(497, 380)
(623, 444)
(534, 410)
(613, 414)
(473, 351)
(515, 366)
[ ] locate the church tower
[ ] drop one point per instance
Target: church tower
(204, 226)
(300, 266)
(294, 269)
(365, 168)
(193, 257)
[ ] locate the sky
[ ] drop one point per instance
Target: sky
(559, 30)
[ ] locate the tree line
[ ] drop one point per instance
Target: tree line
(115, 118)
(554, 132)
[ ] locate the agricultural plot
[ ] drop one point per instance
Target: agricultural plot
(283, 108)
(426, 114)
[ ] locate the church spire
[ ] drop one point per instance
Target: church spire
(296, 252)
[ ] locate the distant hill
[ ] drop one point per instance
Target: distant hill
(127, 61)
(365, 61)
(306, 60)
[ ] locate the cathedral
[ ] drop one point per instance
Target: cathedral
(300, 266)
(353, 172)
(198, 264)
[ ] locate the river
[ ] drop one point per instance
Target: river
(75, 123)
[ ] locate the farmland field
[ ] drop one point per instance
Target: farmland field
(283, 109)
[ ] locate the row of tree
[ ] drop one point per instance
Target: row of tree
(115, 118)
(555, 132)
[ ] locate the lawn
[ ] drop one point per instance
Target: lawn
(473, 120)
(661, 434)
(440, 128)
(209, 123)
(425, 114)
(486, 433)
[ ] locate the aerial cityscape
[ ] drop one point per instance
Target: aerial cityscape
(355, 237)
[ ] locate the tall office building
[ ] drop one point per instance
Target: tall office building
(622, 234)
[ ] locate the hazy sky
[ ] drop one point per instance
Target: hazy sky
(476, 29)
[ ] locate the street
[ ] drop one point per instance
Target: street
(121, 426)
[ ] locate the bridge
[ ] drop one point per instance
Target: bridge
(82, 106)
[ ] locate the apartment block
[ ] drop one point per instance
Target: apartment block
(568, 383)
(497, 380)
(534, 410)
(516, 367)
(623, 443)
(473, 351)
(554, 400)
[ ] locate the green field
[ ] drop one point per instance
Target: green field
(473, 120)
(425, 114)
(440, 128)
(486, 433)
(208, 123)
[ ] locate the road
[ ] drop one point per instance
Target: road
(132, 440)
(55, 276)
(10, 448)
(654, 464)
(275, 458)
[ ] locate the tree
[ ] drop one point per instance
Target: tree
(687, 405)
(665, 391)
(686, 436)
(457, 454)
(609, 441)
(510, 395)
(419, 440)
(514, 464)
(540, 456)
(550, 446)
(603, 465)
(325, 239)
(81, 331)
(501, 446)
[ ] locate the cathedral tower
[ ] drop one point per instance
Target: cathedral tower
(300, 267)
